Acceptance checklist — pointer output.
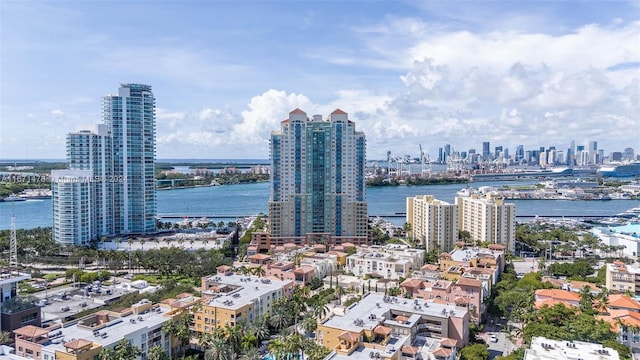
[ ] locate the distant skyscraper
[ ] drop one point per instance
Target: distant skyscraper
(519, 153)
(317, 181)
(109, 188)
(593, 152)
(486, 150)
(628, 154)
(433, 222)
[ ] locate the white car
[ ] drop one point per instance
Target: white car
(493, 338)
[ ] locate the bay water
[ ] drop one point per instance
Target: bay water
(252, 199)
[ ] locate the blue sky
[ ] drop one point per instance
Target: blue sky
(225, 73)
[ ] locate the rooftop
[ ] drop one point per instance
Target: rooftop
(113, 331)
(244, 289)
(371, 310)
(546, 349)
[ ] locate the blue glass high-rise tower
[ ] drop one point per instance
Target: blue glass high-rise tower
(109, 188)
(317, 181)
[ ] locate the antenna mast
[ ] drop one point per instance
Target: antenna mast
(13, 245)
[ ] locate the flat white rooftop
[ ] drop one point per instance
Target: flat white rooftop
(547, 349)
(249, 289)
(471, 253)
(368, 312)
(115, 330)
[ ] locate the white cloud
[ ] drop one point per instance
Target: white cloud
(265, 113)
(57, 113)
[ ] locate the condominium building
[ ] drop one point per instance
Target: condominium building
(317, 181)
(395, 328)
(433, 222)
(488, 219)
(141, 325)
(622, 278)
(230, 298)
(387, 262)
(109, 187)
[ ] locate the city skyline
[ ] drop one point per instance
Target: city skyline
(410, 74)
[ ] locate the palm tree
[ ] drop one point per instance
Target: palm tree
(191, 242)
(602, 305)
(142, 241)
(218, 349)
(259, 271)
(260, 328)
(180, 330)
(157, 240)
(157, 353)
(309, 324)
(205, 242)
(248, 341)
(278, 318)
(251, 354)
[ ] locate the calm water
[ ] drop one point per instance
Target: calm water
(252, 199)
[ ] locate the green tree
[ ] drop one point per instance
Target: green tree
(474, 352)
(219, 349)
(123, 350)
(157, 353)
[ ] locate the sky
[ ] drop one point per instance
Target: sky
(409, 73)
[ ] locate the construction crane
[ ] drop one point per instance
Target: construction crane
(425, 164)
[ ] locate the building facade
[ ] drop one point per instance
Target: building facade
(109, 187)
(488, 219)
(317, 181)
(433, 222)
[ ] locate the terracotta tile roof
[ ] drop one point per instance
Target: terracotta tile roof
(338, 112)
(401, 318)
(31, 331)
(430, 267)
(349, 336)
(445, 254)
(448, 342)
(496, 247)
(442, 352)
(552, 302)
(414, 283)
(337, 253)
(77, 344)
(260, 257)
(303, 270)
(557, 294)
(469, 282)
(348, 244)
(298, 111)
(412, 350)
(382, 330)
(626, 317)
(623, 301)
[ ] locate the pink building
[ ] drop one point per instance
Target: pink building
(467, 293)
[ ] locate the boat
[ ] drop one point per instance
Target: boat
(620, 170)
(13, 198)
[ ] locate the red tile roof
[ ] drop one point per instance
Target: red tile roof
(298, 111)
(350, 336)
(338, 112)
(31, 331)
(623, 301)
(557, 294)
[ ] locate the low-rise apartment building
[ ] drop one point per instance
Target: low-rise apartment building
(229, 298)
(395, 328)
(141, 325)
(388, 262)
(464, 293)
(622, 278)
(546, 349)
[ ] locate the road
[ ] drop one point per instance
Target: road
(503, 346)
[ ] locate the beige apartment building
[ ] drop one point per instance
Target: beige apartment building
(488, 219)
(433, 222)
